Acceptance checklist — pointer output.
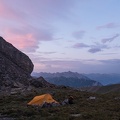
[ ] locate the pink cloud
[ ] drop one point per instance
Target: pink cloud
(10, 12)
(15, 28)
(42, 10)
(27, 38)
(19, 40)
(25, 42)
(108, 26)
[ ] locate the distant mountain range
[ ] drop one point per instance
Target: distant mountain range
(72, 79)
(105, 79)
(58, 78)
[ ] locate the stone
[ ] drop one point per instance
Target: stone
(15, 71)
(15, 66)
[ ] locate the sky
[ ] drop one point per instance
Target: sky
(64, 35)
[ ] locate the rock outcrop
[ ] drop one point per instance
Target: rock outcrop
(15, 66)
(40, 83)
(15, 71)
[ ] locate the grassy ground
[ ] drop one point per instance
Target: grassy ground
(104, 107)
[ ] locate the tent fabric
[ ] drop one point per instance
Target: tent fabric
(41, 99)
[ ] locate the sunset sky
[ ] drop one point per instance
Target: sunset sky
(64, 35)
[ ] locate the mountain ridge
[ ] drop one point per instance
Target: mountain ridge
(103, 78)
(72, 79)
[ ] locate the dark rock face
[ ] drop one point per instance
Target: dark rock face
(15, 71)
(15, 66)
(40, 82)
(16, 56)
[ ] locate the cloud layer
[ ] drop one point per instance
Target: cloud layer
(108, 26)
(96, 47)
(57, 33)
(110, 39)
(81, 66)
(28, 37)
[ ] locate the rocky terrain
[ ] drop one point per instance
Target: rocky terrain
(86, 106)
(16, 68)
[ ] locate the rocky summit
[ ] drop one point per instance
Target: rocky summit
(15, 66)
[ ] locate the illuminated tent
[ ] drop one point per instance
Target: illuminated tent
(41, 99)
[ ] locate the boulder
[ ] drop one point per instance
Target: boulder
(15, 66)
(15, 71)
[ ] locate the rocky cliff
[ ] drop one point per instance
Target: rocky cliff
(15, 66)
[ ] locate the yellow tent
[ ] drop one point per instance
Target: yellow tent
(41, 99)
